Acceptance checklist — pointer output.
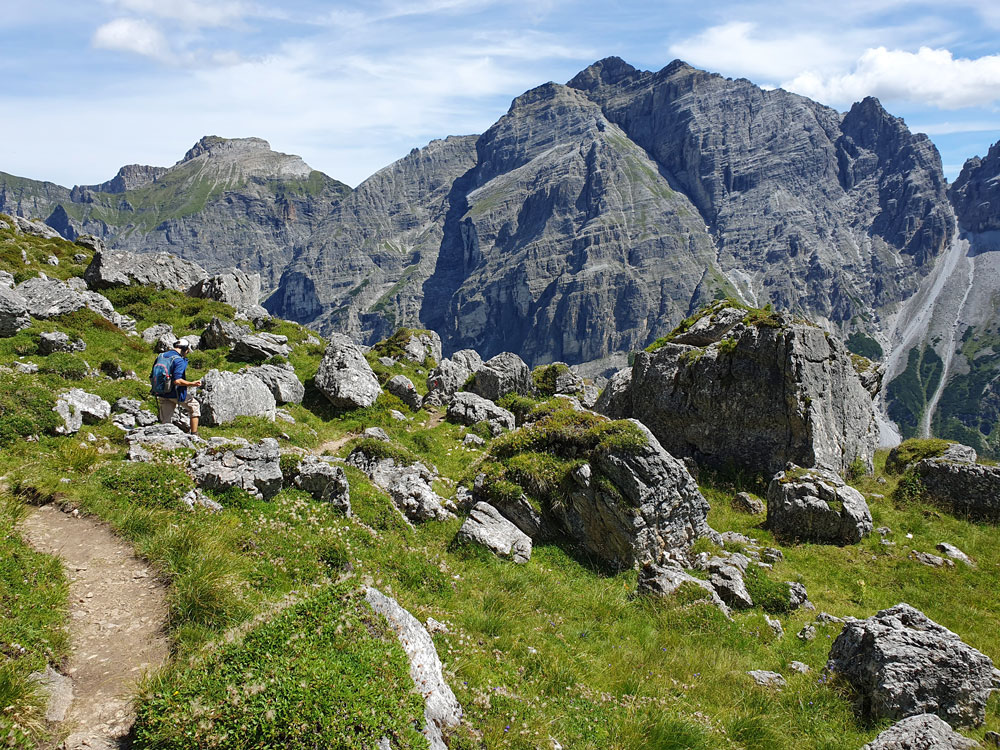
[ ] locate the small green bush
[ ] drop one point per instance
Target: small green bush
(771, 596)
(545, 377)
(289, 466)
(65, 365)
(25, 409)
(910, 489)
(152, 485)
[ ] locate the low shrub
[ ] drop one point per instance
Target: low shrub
(25, 409)
(147, 484)
(771, 596)
(913, 450)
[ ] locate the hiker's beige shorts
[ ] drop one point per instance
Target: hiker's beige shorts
(167, 406)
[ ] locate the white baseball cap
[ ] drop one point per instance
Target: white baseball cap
(182, 344)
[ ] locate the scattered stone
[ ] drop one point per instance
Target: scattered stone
(57, 341)
(325, 481)
(767, 679)
(52, 260)
(441, 709)
(158, 333)
(797, 596)
(377, 433)
(386, 361)
(992, 739)
(665, 580)
(744, 502)
(487, 527)
(25, 368)
(13, 312)
(921, 732)
(775, 625)
(727, 580)
(281, 381)
(410, 487)
(472, 438)
(469, 408)
(884, 531)
(254, 468)
(589, 396)
(772, 555)
(451, 375)
(58, 691)
(402, 388)
(77, 407)
(345, 377)
(797, 666)
(397, 415)
(955, 553)
(816, 505)
(197, 498)
(931, 561)
(224, 396)
(161, 270)
(807, 633)
(902, 663)
(129, 414)
(166, 437)
(6, 280)
(256, 347)
(422, 345)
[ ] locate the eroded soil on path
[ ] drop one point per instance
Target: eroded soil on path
(117, 615)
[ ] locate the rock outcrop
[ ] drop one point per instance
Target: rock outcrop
(234, 287)
(77, 407)
(451, 375)
(955, 481)
(253, 468)
(13, 312)
(224, 396)
(256, 347)
(921, 732)
(325, 481)
(410, 486)
(281, 381)
(345, 377)
(901, 663)
(817, 506)
(505, 373)
(222, 334)
(161, 270)
(469, 409)
(486, 526)
(976, 193)
(402, 388)
(771, 392)
(666, 580)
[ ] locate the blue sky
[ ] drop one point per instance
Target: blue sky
(90, 85)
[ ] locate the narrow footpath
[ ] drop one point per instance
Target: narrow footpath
(118, 613)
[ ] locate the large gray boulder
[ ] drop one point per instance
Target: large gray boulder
(281, 381)
(771, 392)
(955, 481)
(161, 270)
(441, 708)
(422, 345)
(486, 526)
(325, 481)
(345, 377)
(402, 388)
(921, 732)
(817, 506)
(451, 374)
(517, 509)
(162, 437)
(36, 228)
(77, 407)
(57, 341)
(409, 486)
(505, 373)
(469, 409)
(651, 509)
(238, 288)
(665, 580)
(13, 312)
(49, 298)
(224, 396)
(254, 468)
(256, 347)
(222, 334)
(901, 663)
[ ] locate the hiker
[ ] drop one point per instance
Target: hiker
(174, 363)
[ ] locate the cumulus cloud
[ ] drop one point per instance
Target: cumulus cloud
(196, 13)
(932, 77)
(132, 35)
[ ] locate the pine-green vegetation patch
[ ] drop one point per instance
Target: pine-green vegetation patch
(323, 673)
(25, 409)
(765, 317)
(546, 375)
(864, 345)
(908, 394)
(33, 591)
(149, 485)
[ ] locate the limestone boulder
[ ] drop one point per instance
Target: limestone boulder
(222, 334)
(77, 407)
(505, 373)
(955, 481)
(254, 468)
(36, 228)
(451, 374)
(161, 270)
(325, 481)
(13, 312)
(816, 505)
(772, 391)
(256, 347)
(402, 388)
(57, 341)
(901, 663)
(345, 377)
(665, 580)
(49, 298)
(421, 346)
(161, 437)
(224, 396)
(234, 287)
(921, 732)
(469, 409)
(409, 486)
(281, 381)
(487, 527)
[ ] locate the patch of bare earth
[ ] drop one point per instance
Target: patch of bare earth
(117, 615)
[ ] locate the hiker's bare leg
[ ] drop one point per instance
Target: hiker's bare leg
(194, 426)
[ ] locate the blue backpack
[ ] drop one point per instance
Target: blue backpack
(160, 381)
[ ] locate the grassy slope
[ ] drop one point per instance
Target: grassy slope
(553, 648)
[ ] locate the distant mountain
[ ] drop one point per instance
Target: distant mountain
(226, 203)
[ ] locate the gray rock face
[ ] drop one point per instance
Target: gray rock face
(410, 487)
(727, 580)
(665, 580)
(505, 373)
(224, 396)
(325, 481)
(816, 505)
(234, 287)
(36, 228)
(766, 395)
(518, 510)
(161, 270)
(450, 375)
(968, 489)
(486, 526)
(13, 312)
(222, 334)
(166, 437)
(658, 510)
(257, 347)
(402, 387)
(345, 377)
(441, 708)
(921, 732)
(468, 409)
(901, 663)
(57, 341)
(423, 345)
(77, 407)
(976, 193)
(254, 468)
(129, 414)
(49, 298)
(281, 381)
(709, 329)
(158, 334)
(747, 503)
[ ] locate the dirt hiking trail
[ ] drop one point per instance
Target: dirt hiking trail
(116, 626)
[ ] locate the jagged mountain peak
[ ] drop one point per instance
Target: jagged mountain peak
(248, 157)
(609, 72)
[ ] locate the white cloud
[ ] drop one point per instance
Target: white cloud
(196, 13)
(132, 35)
(932, 77)
(950, 128)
